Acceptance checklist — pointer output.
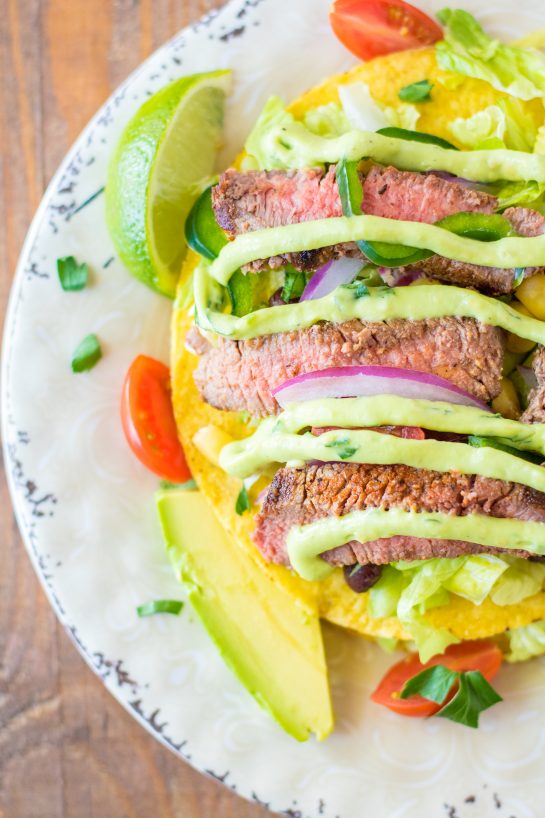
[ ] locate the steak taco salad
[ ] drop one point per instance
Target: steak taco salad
(352, 427)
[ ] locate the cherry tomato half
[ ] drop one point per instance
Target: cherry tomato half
(370, 28)
(482, 655)
(148, 419)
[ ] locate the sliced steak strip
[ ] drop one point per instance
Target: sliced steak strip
(300, 496)
(260, 199)
(239, 375)
(535, 413)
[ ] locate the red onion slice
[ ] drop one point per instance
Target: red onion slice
(365, 381)
(330, 276)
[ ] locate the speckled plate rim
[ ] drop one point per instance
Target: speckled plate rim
(113, 675)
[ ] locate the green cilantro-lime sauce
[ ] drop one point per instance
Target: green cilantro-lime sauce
(385, 410)
(297, 147)
(270, 444)
(343, 304)
(311, 235)
(306, 543)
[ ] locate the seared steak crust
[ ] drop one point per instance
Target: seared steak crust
(300, 496)
(239, 375)
(260, 199)
(535, 413)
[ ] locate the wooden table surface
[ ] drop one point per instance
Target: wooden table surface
(67, 749)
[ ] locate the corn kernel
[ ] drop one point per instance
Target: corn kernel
(514, 343)
(507, 402)
(210, 440)
(532, 294)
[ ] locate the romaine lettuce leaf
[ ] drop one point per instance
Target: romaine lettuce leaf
(475, 579)
(507, 123)
(475, 130)
(408, 589)
(469, 51)
(526, 642)
(521, 580)
(259, 145)
(361, 110)
(327, 120)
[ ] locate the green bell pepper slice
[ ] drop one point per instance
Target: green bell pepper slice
(417, 136)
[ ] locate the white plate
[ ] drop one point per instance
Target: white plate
(85, 506)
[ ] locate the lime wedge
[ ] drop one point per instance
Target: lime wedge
(164, 153)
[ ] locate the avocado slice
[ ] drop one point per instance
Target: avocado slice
(271, 643)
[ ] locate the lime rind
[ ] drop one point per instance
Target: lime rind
(154, 172)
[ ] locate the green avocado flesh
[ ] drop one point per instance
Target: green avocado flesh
(271, 643)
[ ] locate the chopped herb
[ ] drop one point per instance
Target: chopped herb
(345, 451)
(416, 91)
(519, 276)
(243, 501)
(73, 276)
(294, 284)
(359, 289)
(434, 684)
(189, 485)
(86, 354)
(170, 606)
(474, 694)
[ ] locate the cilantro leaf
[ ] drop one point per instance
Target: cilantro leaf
(434, 684)
(73, 276)
(358, 288)
(170, 606)
(345, 451)
(87, 354)
(416, 91)
(474, 695)
(294, 284)
(243, 501)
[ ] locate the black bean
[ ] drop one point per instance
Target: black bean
(361, 577)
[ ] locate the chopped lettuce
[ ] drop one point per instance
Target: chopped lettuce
(327, 120)
(360, 108)
(475, 130)
(364, 113)
(409, 589)
(404, 116)
(469, 51)
(477, 576)
(384, 595)
(511, 194)
(261, 148)
(539, 144)
(521, 580)
(526, 642)
(507, 124)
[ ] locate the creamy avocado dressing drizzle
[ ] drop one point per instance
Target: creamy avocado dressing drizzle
(380, 304)
(312, 235)
(294, 146)
(270, 444)
(306, 543)
(385, 410)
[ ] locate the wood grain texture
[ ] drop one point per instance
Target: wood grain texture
(67, 749)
